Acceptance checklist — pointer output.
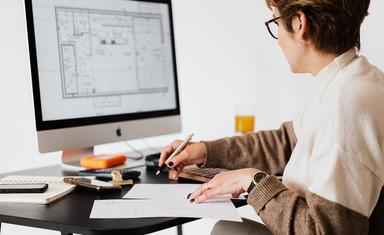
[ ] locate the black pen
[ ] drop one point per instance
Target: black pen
(175, 153)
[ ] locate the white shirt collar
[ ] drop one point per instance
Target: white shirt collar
(337, 64)
(326, 75)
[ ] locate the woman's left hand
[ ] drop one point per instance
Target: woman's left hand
(228, 182)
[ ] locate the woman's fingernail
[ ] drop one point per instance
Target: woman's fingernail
(189, 195)
(170, 164)
(192, 200)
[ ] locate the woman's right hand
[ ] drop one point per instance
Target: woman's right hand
(193, 153)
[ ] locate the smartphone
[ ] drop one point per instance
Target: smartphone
(23, 188)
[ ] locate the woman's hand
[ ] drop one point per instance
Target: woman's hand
(194, 153)
(228, 182)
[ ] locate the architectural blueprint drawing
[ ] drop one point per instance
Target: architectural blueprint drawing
(106, 54)
(104, 58)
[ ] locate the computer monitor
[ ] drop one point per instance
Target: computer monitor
(102, 71)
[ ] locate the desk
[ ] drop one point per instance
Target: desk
(71, 213)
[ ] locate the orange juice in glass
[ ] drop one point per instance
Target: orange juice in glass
(245, 119)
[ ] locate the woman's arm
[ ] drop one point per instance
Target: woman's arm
(339, 199)
(339, 202)
(265, 150)
(288, 213)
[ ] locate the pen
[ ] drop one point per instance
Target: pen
(175, 153)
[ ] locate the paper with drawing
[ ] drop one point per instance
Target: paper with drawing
(164, 200)
(161, 191)
(222, 209)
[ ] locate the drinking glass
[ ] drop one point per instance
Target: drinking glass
(245, 118)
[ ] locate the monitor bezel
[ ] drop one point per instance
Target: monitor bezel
(42, 125)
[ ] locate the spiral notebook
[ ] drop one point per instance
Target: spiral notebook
(56, 189)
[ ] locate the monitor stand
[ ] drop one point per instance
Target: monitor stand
(70, 159)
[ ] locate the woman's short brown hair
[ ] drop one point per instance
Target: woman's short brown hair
(334, 25)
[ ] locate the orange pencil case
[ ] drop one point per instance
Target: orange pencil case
(103, 161)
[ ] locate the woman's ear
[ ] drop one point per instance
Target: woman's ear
(300, 26)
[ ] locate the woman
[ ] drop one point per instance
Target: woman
(331, 155)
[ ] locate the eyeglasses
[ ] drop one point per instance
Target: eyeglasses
(273, 29)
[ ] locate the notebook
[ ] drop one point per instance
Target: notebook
(56, 189)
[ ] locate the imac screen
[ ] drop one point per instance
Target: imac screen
(103, 58)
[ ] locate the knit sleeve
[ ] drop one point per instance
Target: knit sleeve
(285, 212)
(339, 200)
(265, 150)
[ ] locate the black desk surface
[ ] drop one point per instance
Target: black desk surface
(70, 214)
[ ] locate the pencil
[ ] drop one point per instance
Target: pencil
(175, 153)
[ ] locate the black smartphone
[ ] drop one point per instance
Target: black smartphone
(23, 188)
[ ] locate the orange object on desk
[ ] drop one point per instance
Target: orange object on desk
(103, 161)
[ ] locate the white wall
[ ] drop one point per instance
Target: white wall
(225, 57)
(17, 139)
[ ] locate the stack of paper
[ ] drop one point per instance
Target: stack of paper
(164, 200)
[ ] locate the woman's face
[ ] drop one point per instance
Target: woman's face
(290, 44)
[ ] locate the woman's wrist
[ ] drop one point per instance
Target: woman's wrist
(203, 153)
(248, 177)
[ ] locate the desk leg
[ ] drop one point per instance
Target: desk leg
(179, 229)
(0, 227)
